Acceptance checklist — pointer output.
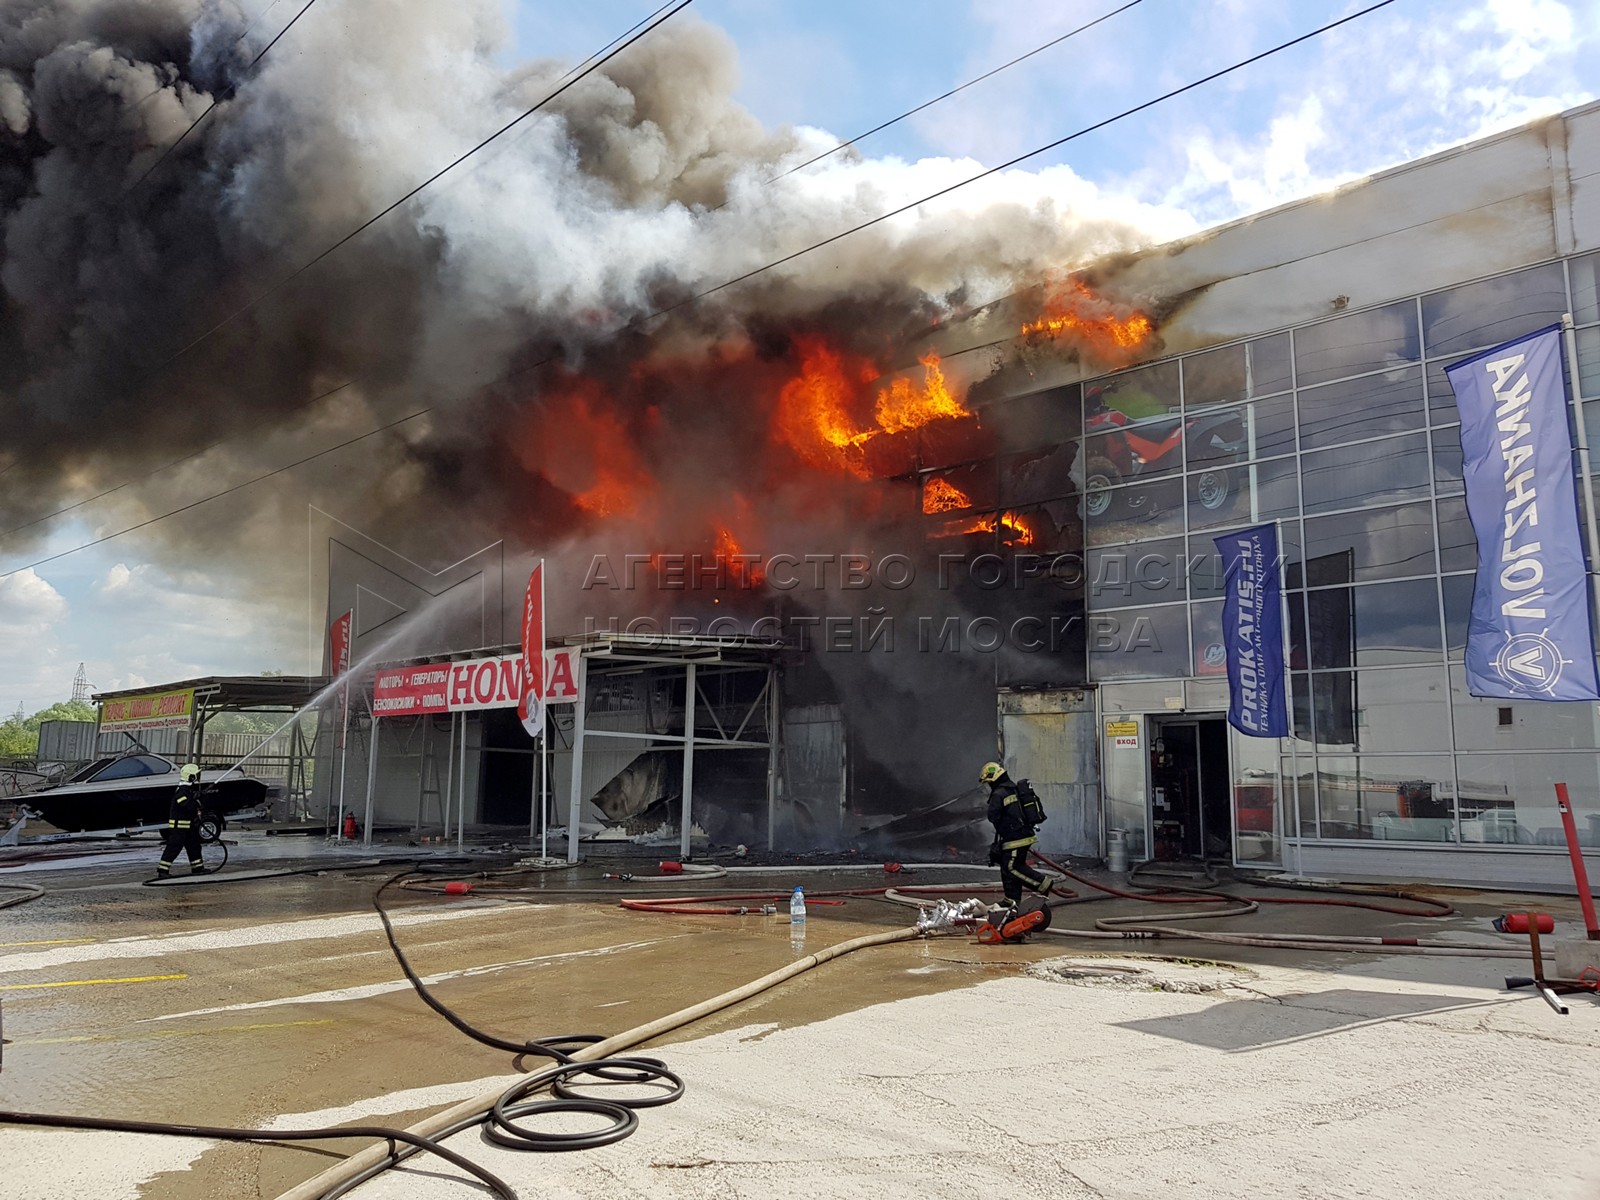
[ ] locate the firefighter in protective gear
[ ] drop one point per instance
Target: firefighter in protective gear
(183, 824)
(1013, 836)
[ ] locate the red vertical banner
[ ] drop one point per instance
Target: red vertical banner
(531, 709)
(339, 662)
(339, 645)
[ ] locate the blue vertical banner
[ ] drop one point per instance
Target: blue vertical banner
(1252, 631)
(1529, 636)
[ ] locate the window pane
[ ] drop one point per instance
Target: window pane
(1402, 710)
(1220, 496)
(1042, 419)
(1257, 799)
(1233, 373)
(1457, 608)
(1383, 543)
(1534, 725)
(1351, 476)
(1364, 341)
(1133, 642)
(1389, 798)
(130, 768)
(1585, 273)
(1458, 549)
(1447, 469)
(1384, 622)
(1493, 310)
(1589, 362)
(1511, 798)
(1210, 656)
(1300, 791)
(1135, 449)
(1361, 408)
(1441, 397)
(1133, 513)
(1146, 573)
(1219, 376)
(1261, 429)
(1038, 475)
(1270, 368)
(1398, 623)
(1145, 392)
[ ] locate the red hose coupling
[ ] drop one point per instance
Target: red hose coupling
(672, 868)
(457, 887)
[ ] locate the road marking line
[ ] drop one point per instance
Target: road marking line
(129, 1037)
(27, 987)
(51, 942)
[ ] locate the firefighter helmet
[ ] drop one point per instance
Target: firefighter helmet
(189, 772)
(991, 772)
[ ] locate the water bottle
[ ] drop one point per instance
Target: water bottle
(797, 906)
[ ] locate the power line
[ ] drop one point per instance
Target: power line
(299, 462)
(179, 461)
(641, 320)
(215, 100)
(677, 7)
(960, 88)
(1138, 108)
(281, 32)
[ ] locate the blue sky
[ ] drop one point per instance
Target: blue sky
(1407, 80)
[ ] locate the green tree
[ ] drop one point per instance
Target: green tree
(20, 738)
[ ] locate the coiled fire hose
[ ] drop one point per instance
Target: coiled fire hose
(363, 1165)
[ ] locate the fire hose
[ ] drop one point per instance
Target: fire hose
(29, 892)
(363, 1165)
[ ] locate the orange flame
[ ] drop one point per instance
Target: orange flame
(817, 408)
(814, 409)
(1017, 530)
(579, 443)
(739, 571)
(1021, 533)
(940, 495)
(902, 406)
(1073, 310)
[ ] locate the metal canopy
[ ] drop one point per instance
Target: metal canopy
(230, 693)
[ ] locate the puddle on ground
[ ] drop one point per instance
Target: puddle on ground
(1142, 974)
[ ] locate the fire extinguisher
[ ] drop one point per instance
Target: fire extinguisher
(350, 825)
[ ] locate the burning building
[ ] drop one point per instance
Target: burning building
(867, 515)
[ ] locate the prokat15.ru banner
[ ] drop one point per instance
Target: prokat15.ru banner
(472, 684)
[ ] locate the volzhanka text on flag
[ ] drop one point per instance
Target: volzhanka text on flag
(1529, 636)
(1252, 631)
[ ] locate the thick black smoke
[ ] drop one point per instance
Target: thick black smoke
(644, 183)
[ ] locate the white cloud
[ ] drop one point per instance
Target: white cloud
(32, 668)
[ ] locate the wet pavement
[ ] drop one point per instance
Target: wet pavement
(234, 1000)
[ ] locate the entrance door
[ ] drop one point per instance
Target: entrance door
(1190, 816)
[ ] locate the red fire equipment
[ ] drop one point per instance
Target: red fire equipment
(350, 826)
(1014, 925)
(1588, 979)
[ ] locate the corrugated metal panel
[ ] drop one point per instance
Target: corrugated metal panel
(66, 741)
(813, 774)
(1056, 751)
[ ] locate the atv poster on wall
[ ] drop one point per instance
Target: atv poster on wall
(1252, 631)
(1529, 636)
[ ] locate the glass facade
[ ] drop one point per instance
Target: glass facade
(1345, 433)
